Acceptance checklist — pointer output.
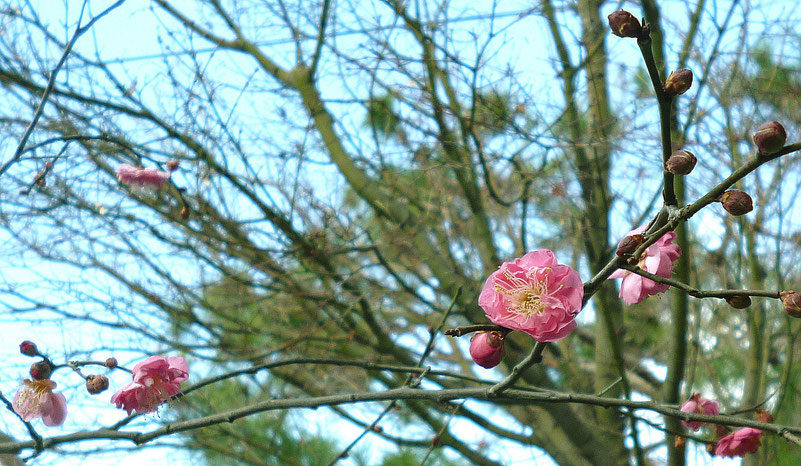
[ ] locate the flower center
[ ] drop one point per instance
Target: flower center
(524, 295)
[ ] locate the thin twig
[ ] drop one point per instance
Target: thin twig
(696, 293)
(51, 82)
(533, 358)
(411, 381)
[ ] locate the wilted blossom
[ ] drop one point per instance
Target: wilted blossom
(534, 294)
(155, 380)
(145, 177)
(739, 443)
(486, 349)
(36, 399)
(698, 405)
(658, 259)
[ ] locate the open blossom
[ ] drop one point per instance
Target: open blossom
(534, 294)
(699, 405)
(657, 259)
(36, 399)
(486, 349)
(133, 176)
(739, 443)
(155, 380)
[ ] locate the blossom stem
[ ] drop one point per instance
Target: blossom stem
(459, 331)
(696, 293)
(664, 101)
(533, 358)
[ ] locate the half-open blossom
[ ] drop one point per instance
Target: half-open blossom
(145, 177)
(658, 259)
(36, 399)
(739, 443)
(486, 349)
(155, 380)
(698, 405)
(534, 294)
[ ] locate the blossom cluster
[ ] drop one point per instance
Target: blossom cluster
(738, 443)
(142, 177)
(155, 380)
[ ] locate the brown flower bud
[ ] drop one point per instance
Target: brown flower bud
(679, 442)
(28, 348)
(624, 24)
(41, 370)
(736, 202)
(764, 416)
(96, 384)
(770, 137)
(172, 165)
(111, 363)
(681, 162)
(629, 244)
(739, 301)
(185, 213)
(792, 303)
(678, 82)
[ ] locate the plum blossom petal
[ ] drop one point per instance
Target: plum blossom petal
(699, 405)
(658, 259)
(739, 443)
(143, 177)
(534, 294)
(36, 399)
(155, 380)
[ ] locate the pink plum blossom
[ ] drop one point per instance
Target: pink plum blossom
(739, 443)
(155, 380)
(36, 399)
(534, 294)
(486, 349)
(658, 259)
(698, 405)
(144, 177)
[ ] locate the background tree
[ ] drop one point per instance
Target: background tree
(349, 173)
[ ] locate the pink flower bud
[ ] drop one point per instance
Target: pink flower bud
(770, 137)
(28, 348)
(486, 349)
(624, 24)
(96, 384)
(681, 162)
(792, 303)
(41, 370)
(629, 244)
(739, 302)
(678, 82)
(737, 202)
